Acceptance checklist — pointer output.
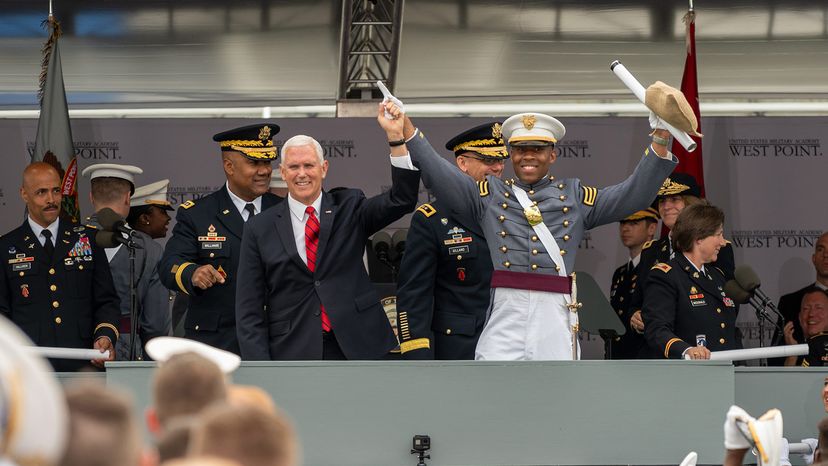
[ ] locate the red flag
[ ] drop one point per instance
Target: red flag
(691, 162)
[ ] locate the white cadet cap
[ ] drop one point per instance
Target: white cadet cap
(163, 348)
(276, 180)
(532, 129)
(113, 170)
(34, 422)
(151, 194)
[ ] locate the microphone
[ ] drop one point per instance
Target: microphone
(732, 289)
(398, 242)
(381, 242)
(112, 222)
(749, 281)
(108, 239)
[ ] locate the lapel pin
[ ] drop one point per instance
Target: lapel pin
(225, 211)
(327, 211)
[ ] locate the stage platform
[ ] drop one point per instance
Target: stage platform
(517, 413)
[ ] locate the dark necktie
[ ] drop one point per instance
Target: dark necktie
(251, 210)
(311, 243)
(47, 245)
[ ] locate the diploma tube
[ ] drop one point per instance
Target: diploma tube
(638, 90)
(757, 353)
(68, 353)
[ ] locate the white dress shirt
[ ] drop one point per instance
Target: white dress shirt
(38, 231)
(298, 219)
(240, 203)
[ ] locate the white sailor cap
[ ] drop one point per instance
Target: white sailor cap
(163, 348)
(113, 170)
(151, 194)
(276, 180)
(33, 414)
(532, 129)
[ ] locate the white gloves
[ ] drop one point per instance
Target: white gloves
(734, 437)
(656, 122)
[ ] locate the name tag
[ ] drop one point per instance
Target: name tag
(23, 266)
(458, 250)
(210, 245)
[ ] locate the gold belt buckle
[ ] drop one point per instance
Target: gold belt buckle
(533, 215)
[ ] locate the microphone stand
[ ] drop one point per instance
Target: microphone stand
(761, 306)
(132, 246)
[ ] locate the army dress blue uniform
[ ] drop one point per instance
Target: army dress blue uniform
(209, 231)
(443, 287)
(684, 308)
(625, 288)
(529, 318)
(66, 301)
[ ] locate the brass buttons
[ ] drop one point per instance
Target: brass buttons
(502, 218)
(566, 223)
(557, 269)
(51, 271)
(448, 331)
(531, 191)
(505, 194)
(563, 252)
(534, 238)
(504, 205)
(562, 197)
(212, 254)
(504, 248)
(561, 186)
(502, 234)
(55, 304)
(534, 252)
(196, 327)
(566, 237)
(22, 273)
(58, 320)
(721, 340)
(507, 264)
(565, 209)
(459, 257)
(723, 325)
(80, 267)
(53, 288)
(534, 266)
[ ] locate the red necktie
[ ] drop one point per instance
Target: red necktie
(311, 242)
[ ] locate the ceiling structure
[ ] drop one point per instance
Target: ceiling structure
(281, 54)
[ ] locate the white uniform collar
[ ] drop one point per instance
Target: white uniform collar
(37, 229)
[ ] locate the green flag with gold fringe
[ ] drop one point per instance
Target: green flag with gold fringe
(53, 144)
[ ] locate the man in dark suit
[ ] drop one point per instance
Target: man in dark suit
(790, 304)
(202, 256)
(302, 290)
(56, 285)
(444, 280)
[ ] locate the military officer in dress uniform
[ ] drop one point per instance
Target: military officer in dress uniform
(111, 186)
(56, 284)
(443, 284)
(635, 230)
(686, 311)
(202, 256)
(533, 225)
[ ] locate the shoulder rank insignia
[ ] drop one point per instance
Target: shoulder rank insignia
(648, 244)
(590, 194)
(88, 225)
(427, 210)
(187, 205)
(661, 266)
(483, 187)
(79, 228)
